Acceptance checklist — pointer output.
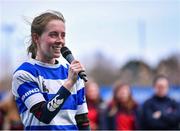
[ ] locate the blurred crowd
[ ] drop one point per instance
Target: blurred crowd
(160, 112)
(9, 116)
(122, 112)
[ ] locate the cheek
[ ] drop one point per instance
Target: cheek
(119, 95)
(165, 90)
(123, 94)
(50, 41)
(47, 40)
(47, 43)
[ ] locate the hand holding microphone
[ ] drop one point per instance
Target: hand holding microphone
(75, 68)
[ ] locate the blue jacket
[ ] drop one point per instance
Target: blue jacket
(170, 113)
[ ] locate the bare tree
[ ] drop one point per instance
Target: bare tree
(136, 72)
(171, 68)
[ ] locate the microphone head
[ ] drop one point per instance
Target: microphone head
(65, 51)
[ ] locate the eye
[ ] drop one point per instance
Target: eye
(63, 35)
(53, 34)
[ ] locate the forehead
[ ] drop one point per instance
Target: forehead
(124, 88)
(162, 81)
(55, 25)
(92, 86)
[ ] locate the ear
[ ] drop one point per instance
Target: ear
(35, 38)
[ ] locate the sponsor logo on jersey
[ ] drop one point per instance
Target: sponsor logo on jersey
(35, 90)
(54, 103)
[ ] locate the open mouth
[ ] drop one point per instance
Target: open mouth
(57, 47)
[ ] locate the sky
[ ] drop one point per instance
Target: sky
(120, 29)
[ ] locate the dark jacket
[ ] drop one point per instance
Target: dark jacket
(170, 113)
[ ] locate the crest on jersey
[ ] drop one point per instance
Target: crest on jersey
(44, 87)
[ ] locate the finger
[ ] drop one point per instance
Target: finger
(75, 61)
(77, 67)
(76, 64)
(76, 71)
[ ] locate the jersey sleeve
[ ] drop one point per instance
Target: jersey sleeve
(81, 98)
(25, 87)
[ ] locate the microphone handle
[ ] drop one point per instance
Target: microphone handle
(82, 73)
(69, 58)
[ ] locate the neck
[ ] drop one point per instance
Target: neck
(93, 101)
(45, 60)
(161, 97)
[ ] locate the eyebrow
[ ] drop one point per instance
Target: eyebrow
(56, 32)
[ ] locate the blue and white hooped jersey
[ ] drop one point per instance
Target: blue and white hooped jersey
(34, 82)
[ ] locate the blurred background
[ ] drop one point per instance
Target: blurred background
(130, 40)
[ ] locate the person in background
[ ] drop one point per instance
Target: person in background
(12, 119)
(160, 112)
(122, 111)
(96, 106)
(2, 113)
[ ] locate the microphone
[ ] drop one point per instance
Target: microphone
(67, 54)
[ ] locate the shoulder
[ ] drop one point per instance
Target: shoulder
(171, 100)
(25, 72)
(149, 101)
(26, 67)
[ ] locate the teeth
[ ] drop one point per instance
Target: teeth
(56, 46)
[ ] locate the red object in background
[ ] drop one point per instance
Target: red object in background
(16, 125)
(93, 117)
(1, 119)
(125, 121)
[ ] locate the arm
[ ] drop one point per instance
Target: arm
(82, 110)
(173, 115)
(46, 111)
(149, 119)
(82, 121)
